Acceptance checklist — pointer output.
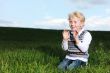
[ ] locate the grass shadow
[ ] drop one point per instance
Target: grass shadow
(51, 51)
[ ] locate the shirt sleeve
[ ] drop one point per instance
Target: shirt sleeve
(84, 45)
(64, 45)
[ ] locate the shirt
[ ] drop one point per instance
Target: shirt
(83, 46)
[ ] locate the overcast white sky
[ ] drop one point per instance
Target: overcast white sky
(52, 14)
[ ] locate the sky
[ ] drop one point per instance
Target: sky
(53, 14)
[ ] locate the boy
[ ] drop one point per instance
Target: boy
(76, 42)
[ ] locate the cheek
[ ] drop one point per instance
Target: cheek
(76, 25)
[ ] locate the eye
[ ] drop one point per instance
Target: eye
(75, 22)
(70, 21)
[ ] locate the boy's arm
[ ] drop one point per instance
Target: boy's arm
(64, 45)
(84, 45)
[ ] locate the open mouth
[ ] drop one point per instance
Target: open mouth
(73, 29)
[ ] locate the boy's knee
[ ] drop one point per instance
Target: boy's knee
(61, 67)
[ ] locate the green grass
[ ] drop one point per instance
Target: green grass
(39, 51)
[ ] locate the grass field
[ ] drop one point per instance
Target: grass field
(39, 51)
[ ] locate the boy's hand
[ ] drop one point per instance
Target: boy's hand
(65, 35)
(75, 33)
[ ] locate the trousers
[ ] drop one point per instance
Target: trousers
(70, 64)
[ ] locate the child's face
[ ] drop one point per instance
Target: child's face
(74, 23)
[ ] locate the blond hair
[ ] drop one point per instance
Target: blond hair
(78, 15)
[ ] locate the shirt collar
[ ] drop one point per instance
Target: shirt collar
(81, 31)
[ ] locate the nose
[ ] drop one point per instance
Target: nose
(73, 25)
